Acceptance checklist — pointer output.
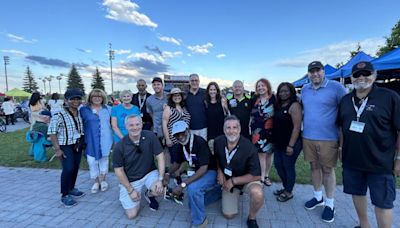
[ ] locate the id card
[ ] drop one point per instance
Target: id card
(228, 172)
(357, 126)
(190, 172)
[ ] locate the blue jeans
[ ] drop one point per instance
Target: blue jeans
(70, 167)
(286, 165)
(197, 193)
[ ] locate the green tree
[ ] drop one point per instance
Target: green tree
(75, 80)
(30, 85)
(98, 81)
(392, 42)
(355, 52)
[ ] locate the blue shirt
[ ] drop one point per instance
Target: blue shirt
(197, 109)
(320, 110)
(120, 112)
(98, 132)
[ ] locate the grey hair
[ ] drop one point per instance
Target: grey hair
(230, 118)
(193, 75)
(131, 116)
(237, 81)
(123, 92)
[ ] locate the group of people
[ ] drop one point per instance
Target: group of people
(230, 143)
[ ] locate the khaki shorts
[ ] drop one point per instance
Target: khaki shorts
(324, 153)
(230, 200)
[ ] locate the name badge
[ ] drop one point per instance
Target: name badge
(228, 172)
(191, 171)
(357, 126)
(233, 103)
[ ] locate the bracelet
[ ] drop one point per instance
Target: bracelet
(131, 191)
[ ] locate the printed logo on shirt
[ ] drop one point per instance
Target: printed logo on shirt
(370, 108)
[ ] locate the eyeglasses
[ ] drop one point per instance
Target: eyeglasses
(362, 73)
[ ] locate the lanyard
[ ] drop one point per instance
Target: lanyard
(188, 155)
(141, 103)
(230, 155)
(360, 110)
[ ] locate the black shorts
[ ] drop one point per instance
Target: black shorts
(382, 187)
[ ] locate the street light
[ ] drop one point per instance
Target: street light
(6, 62)
(111, 58)
(44, 84)
(59, 77)
(49, 79)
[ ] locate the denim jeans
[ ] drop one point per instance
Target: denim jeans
(286, 165)
(70, 167)
(197, 193)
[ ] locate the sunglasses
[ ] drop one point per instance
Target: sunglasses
(362, 73)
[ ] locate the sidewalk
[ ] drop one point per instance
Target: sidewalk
(30, 198)
(19, 124)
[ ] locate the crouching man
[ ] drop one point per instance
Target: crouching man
(133, 161)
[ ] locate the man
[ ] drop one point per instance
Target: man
(66, 134)
(139, 99)
(320, 99)
(133, 162)
(240, 105)
(202, 175)
(155, 105)
(369, 118)
(238, 170)
(196, 107)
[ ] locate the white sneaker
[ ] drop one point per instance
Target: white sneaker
(104, 186)
(95, 188)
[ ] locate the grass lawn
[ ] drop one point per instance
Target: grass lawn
(14, 153)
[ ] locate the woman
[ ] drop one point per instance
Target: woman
(36, 105)
(261, 126)
(173, 112)
(287, 140)
(96, 116)
(216, 110)
(119, 112)
(55, 104)
(8, 107)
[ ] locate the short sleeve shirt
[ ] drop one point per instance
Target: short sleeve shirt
(120, 112)
(137, 161)
(155, 106)
(241, 109)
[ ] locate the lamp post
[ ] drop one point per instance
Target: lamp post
(49, 79)
(111, 58)
(44, 84)
(59, 77)
(6, 62)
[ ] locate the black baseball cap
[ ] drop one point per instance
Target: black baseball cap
(362, 66)
(315, 64)
(157, 79)
(73, 93)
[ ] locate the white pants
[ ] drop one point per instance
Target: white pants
(201, 132)
(97, 167)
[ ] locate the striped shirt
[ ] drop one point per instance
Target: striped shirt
(63, 125)
(174, 117)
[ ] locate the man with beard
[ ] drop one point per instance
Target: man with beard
(238, 171)
(369, 118)
(202, 175)
(155, 105)
(139, 99)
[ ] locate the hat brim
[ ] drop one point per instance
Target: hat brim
(361, 70)
(315, 67)
(178, 131)
(77, 96)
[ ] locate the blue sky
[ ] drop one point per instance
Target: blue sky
(222, 40)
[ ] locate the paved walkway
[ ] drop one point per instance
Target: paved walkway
(19, 124)
(30, 198)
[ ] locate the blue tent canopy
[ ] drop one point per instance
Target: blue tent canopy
(345, 70)
(388, 61)
(304, 80)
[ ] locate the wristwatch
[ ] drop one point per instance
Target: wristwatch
(183, 185)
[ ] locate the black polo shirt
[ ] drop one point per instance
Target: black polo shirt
(202, 154)
(373, 150)
(241, 109)
(245, 161)
(135, 101)
(137, 163)
(197, 109)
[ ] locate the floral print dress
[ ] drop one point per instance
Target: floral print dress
(262, 123)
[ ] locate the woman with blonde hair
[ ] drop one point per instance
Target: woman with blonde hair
(96, 116)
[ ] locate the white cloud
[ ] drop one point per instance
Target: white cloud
(332, 54)
(122, 51)
(127, 11)
(201, 49)
(146, 56)
(170, 55)
(17, 39)
(220, 56)
(15, 52)
(170, 40)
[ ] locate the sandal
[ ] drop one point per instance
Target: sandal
(278, 192)
(267, 182)
(104, 186)
(95, 188)
(283, 197)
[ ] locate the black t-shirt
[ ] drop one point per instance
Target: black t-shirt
(137, 161)
(135, 101)
(201, 154)
(245, 161)
(241, 109)
(373, 150)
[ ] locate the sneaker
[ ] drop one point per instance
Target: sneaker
(76, 193)
(313, 203)
(68, 201)
(104, 186)
(252, 223)
(328, 214)
(151, 200)
(95, 187)
(203, 225)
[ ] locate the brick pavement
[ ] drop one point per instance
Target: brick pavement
(30, 198)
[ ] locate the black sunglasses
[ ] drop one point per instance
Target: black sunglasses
(363, 73)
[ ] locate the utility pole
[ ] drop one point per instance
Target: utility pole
(44, 84)
(6, 62)
(59, 77)
(111, 58)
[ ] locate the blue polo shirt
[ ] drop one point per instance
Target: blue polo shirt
(320, 110)
(197, 109)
